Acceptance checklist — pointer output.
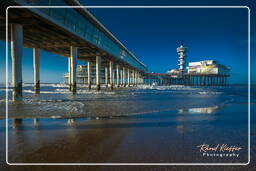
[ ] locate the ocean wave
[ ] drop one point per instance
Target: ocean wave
(46, 85)
(45, 92)
(169, 87)
(72, 107)
(210, 92)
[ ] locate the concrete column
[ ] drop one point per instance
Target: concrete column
(124, 77)
(121, 77)
(111, 81)
(136, 78)
(73, 62)
(69, 73)
(106, 76)
(89, 81)
(128, 77)
(98, 71)
(36, 57)
(114, 75)
(117, 75)
(133, 79)
(17, 53)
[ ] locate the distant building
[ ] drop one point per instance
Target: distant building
(82, 75)
(181, 50)
(201, 67)
(182, 54)
(207, 67)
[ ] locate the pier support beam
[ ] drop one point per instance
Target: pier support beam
(106, 76)
(17, 53)
(73, 62)
(36, 57)
(111, 80)
(128, 77)
(98, 71)
(89, 81)
(124, 77)
(133, 80)
(69, 73)
(121, 77)
(117, 75)
(135, 77)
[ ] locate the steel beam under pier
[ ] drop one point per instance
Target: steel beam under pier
(73, 62)
(69, 73)
(17, 52)
(121, 77)
(133, 80)
(124, 77)
(128, 77)
(117, 75)
(36, 57)
(98, 71)
(111, 80)
(106, 76)
(89, 74)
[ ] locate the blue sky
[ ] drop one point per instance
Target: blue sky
(153, 35)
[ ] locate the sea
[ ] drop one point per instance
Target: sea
(141, 124)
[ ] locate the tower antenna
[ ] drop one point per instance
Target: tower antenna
(182, 53)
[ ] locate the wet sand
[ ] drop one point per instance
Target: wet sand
(164, 137)
(158, 128)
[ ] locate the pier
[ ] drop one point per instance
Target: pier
(186, 79)
(73, 33)
(76, 34)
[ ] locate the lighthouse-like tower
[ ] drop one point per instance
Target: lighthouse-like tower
(182, 53)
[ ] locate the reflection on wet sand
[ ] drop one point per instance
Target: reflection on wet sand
(65, 145)
(16, 123)
(203, 110)
(71, 121)
(155, 137)
(36, 122)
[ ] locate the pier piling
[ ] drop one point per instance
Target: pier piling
(36, 57)
(111, 80)
(89, 74)
(98, 71)
(117, 75)
(17, 53)
(106, 76)
(73, 62)
(124, 77)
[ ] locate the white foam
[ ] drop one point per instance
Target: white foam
(68, 107)
(169, 87)
(209, 93)
(46, 85)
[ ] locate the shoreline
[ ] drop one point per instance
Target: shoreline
(107, 116)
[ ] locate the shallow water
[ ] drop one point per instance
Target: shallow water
(56, 101)
(143, 124)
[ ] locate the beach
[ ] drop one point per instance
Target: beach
(144, 124)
